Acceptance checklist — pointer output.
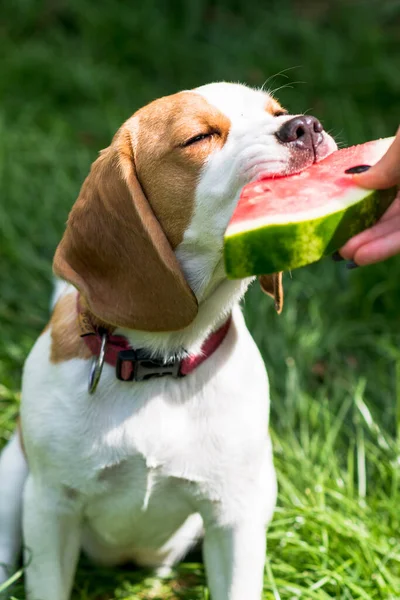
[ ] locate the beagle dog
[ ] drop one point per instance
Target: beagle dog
(145, 401)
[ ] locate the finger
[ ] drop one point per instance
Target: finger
(386, 172)
(381, 229)
(348, 249)
(379, 249)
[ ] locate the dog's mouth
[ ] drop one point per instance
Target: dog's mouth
(307, 143)
(302, 158)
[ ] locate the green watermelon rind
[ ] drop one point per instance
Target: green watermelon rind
(285, 246)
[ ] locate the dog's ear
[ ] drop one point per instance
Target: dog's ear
(272, 285)
(116, 253)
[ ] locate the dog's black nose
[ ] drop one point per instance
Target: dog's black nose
(304, 132)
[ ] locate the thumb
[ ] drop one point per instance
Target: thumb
(386, 172)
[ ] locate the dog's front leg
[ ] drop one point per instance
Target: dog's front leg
(51, 527)
(235, 558)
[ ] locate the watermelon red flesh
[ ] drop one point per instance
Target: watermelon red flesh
(286, 222)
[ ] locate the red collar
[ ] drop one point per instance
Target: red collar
(137, 365)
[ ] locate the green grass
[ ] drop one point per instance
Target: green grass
(71, 73)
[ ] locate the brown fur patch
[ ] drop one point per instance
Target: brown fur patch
(133, 210)
(168, 172)
(273, 107)
(272, 286)
(116, 253)
(66, 342)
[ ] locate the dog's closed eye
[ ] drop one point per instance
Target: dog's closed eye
(199, 138)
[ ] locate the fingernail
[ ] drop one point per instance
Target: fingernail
(352, 265)
(357, 169)
(337, 257)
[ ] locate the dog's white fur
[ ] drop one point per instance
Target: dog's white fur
(138, 471)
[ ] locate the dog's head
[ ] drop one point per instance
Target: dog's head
(144, 240)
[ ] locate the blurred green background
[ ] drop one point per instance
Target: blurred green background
(71, 72)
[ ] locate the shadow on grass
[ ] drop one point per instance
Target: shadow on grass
(128, 582)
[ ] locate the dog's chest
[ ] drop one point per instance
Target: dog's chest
(202, 429)
(174, 432)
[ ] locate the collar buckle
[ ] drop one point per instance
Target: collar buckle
(136, 365)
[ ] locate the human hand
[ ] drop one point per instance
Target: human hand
(383, 239)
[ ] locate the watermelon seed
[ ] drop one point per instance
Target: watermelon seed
(357, 169)
(337, 257)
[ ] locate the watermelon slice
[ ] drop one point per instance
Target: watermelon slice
(287, 222)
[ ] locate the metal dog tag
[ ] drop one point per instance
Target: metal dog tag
(97, 366)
